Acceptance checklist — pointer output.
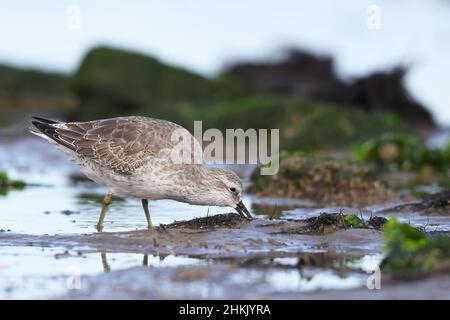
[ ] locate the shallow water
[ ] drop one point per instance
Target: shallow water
(36, 273)
(54, 204)
(41, 273)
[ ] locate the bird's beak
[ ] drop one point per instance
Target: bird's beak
(242, 210)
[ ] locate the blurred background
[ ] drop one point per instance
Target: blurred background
(326, 73)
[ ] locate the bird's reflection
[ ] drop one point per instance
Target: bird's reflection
(145, 260)
(107, 268)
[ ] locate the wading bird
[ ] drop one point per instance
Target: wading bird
(134, 157)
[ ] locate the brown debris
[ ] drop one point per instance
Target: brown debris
(376, 222)
(228, 220)
(327, 223)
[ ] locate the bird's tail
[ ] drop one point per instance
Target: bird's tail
(47, 129)
(43, 120)
(39, 125)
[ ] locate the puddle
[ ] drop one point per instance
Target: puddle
(40, 273)
(326, 280)
(223, 281)
(367, 263)
(318, 271)
(337, 275)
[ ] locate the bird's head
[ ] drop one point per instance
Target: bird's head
(221, 187)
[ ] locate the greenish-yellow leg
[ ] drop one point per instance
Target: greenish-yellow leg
(106, 202)
(147, 213)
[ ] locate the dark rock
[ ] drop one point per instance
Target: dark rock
(386, 91)
(300, 73)
(307, 75)
(434, 204)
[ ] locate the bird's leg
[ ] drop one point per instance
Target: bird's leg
(106, 202)
(147, 213)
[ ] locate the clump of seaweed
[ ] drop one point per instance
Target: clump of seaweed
(228, 220)
(412, 253)
(324, 180)
(7, 184)
(329, 222)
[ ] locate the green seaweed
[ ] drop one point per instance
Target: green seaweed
(17, 184)
(410, 252)
(4, 179)
(6, 184)
(354, 221)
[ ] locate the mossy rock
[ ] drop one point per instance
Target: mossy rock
(327, 181)
(30, 90)
(114, 82)
(304, 124)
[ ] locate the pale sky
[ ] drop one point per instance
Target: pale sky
(203, 35)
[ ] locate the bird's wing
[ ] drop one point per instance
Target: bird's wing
(122, 144)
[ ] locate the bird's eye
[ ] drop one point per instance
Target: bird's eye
(233, 189)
